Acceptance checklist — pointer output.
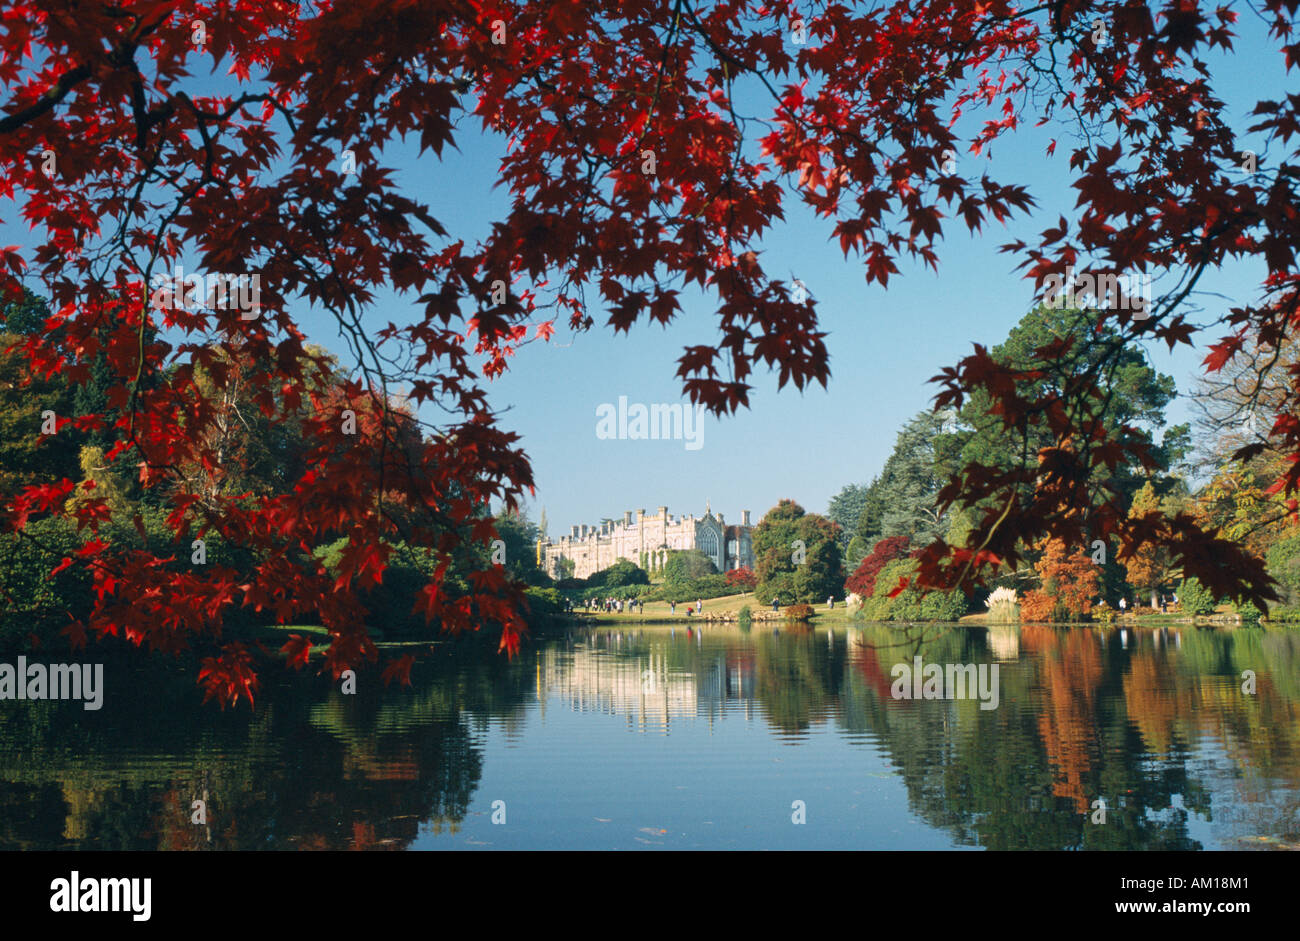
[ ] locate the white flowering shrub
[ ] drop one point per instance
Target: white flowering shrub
(1001, 595)
(1004, 606)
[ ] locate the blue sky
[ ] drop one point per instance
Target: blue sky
(884, 344)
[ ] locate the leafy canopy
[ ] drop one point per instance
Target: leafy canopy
(155, 163)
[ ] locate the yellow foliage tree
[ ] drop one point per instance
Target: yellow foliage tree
(1151, 566)
(107, 486)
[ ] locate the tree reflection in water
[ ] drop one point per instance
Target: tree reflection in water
(1157, 727)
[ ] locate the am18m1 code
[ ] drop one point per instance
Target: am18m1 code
(1219, 882)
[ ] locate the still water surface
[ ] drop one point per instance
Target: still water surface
(646, 738)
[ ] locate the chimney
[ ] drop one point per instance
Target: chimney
(744, 517)
(582, 531)
(627, 518)
(573, 532)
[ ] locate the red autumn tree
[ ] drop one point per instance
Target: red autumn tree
(863, 580)
(742, 578)
(630, 176)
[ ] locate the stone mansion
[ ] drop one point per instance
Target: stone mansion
(647, 540)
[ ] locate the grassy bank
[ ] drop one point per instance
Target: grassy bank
(726, 608)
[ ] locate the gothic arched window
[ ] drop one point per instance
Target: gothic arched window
(709, 543)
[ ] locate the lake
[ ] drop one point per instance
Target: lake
(648, 738)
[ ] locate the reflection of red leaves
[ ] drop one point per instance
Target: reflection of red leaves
(398, 669)
(76, 634)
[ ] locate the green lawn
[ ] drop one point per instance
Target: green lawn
(728, 605)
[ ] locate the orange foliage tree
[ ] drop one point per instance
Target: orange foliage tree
(1069, 583)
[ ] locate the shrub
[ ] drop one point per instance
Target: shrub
(1284, 565)
(623, 572)
(1003, 606)
(1247, 611)
(799, 612)
(1195, 598)
(910, 604)
(943, 606)
(32, 602)
(621, 592)
(544, 602)
(708, 586)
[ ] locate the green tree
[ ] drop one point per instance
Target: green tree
(621, 573)
(519, 534)
(26, 455)
(900, 501)
(686, 565)
(1129, 403)
(911, 479)
(25, 316)
(846, 509)
(797, 556)
(1195, 598)
(258, 443)
(1284, 565)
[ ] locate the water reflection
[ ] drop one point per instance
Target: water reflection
(1155, 723)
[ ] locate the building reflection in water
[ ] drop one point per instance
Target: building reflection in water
(618, 674)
